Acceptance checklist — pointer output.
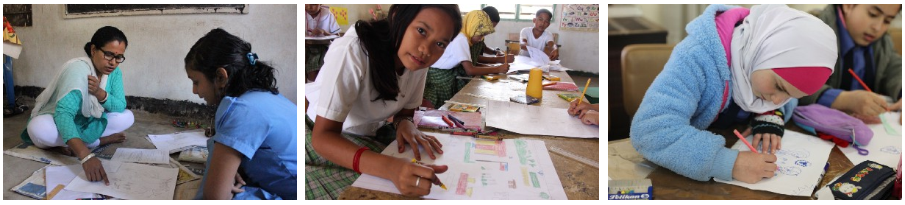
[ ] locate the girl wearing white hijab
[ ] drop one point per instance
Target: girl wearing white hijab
(735, 66)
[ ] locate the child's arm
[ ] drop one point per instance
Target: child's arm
(221, 175)
(661, 129)
(483, 70)
(328, 142)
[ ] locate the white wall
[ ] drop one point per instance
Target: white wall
(581, 49)
(157, 46)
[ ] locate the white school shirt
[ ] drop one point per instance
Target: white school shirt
(538, 43)
(456, 52)
(324, 20)
(346, 92)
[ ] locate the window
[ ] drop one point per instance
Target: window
(465, 8)
(517, 12)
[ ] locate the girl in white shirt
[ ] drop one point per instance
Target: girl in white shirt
(537, 37)
(461, 59)
(318, 22)
(376, 72)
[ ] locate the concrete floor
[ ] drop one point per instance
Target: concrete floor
(16, 170)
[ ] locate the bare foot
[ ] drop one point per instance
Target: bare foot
(114, 138)
(63, 150)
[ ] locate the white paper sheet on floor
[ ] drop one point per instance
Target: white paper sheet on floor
(176, 142)
(884, 148)
(537, 120)
(151, 156)
(483, 169)
(62, 175)
(131, 181)
(800, 161)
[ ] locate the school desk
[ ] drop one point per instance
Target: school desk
(624, 164)
(580, 181)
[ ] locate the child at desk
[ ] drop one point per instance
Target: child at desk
(319, 21)
(734, 64)
(461, 59)
(865, 48)
(536, 39)
(377, 71)
(255, 127)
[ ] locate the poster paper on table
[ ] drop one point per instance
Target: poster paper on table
(537, 120)
(483, 169)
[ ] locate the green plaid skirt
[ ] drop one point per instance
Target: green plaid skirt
(314, 57)
(441, 84)
(326, 180)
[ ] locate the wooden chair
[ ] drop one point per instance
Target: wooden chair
(641, 63)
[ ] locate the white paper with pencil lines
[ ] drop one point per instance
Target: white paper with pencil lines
(800, 164)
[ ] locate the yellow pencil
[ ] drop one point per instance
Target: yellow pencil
(442, 186)
(585, 90)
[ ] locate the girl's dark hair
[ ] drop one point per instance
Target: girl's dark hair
(381, 40)
(103, 36)
(219, 49)
(544, 11)
(492, 13)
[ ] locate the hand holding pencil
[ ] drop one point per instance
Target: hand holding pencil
(751, 166)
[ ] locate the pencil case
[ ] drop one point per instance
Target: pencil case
(818, 118)
(867, 180)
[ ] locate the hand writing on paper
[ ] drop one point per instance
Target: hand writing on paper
(576, 107)
(415, 179)
(406, 132)
(752, 167)
(860, 102)
(771, 142)
(590, 117)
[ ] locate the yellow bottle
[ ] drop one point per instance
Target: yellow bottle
(535, 79)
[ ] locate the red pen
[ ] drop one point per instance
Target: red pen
(855, 76)
(744, 140)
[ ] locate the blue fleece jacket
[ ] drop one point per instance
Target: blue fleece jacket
(669, 128)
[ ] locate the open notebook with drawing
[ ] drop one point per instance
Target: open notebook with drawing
(800, 161)
(484, 169)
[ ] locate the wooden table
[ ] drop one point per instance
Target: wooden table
(670, 185)
(580, 181)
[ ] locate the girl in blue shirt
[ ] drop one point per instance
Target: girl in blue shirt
(254, 142)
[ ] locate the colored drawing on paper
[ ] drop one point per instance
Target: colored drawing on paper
(525, 176)
(463, 184)
(890, 150)
(468, 146)
(488, 180)
(490, 147)
(522, 148)
(534, 180)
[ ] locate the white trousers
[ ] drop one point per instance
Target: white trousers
(43, 130)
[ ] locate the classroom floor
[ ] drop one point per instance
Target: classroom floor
(16, 170)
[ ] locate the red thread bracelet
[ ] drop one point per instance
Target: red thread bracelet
(357, 157)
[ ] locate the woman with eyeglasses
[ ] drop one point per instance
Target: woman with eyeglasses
(84, 106)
